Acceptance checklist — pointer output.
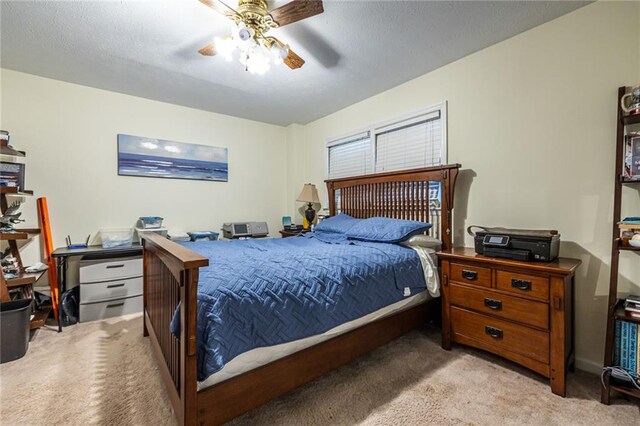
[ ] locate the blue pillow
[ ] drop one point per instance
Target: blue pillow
(337, 224)
(386, 230)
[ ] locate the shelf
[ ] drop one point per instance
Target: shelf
(12, 236)
(631, 119)
(20, 234)
(5, 150)
(40, 317)
(13, 190)
(618, 243)
(24, 278)
(629, 390)
(629, 182)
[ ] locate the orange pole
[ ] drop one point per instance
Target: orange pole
(45, 231)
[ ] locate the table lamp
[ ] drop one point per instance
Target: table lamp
(309, 195)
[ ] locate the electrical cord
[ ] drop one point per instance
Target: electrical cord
(620, 373)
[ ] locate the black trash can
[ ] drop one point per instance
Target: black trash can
(14, 329)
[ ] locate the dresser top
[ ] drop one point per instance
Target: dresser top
(561, 265)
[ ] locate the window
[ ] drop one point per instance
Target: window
(416, 140)
(350, 156)
(409, 144)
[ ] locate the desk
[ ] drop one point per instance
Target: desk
(61, 256)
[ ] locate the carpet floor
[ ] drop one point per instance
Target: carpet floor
(103, 373)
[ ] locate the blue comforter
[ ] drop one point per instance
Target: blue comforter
(257, 293)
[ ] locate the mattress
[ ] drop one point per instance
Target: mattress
(258, 357)
(261, 356)
(262, 293)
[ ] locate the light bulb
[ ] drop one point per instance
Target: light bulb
(225, 47)
(258, 60)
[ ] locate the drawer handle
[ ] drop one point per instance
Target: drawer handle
(115, 305)
(496, 333)
(523, 285)
(115, 266)
(492, 304)
(115, 285)
(470, 275)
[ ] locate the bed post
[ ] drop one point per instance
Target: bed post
(448, 189)
(171, 274)
(188, 346)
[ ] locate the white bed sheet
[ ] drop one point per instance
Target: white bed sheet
(260, 356)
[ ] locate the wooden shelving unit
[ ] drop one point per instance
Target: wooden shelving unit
(23, 279)
(616, 309)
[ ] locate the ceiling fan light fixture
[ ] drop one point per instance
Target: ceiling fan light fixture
(258, 60)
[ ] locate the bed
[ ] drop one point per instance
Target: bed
(231, 378)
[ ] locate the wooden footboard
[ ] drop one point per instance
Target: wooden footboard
(171, 277)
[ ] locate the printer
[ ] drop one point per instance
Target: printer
(245, 230)
(516, 244)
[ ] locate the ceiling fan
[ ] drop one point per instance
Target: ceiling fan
(256, 50)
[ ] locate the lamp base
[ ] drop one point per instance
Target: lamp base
(309, 215)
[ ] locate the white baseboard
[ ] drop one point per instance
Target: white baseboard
(588, 365)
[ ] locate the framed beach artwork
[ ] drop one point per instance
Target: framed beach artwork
(147, 157)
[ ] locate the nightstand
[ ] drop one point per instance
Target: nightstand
(522, 311)
(286, 234)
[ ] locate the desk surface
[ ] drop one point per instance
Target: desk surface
(66, 252)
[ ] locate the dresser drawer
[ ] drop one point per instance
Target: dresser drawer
(107, 290)
(502, 335)
(471, 275)
(112, 308)
(92, 271)
(512, 308)
(523, 285)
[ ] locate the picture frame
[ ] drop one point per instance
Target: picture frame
(147, 157)
(631, 163)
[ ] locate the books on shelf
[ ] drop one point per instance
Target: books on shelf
(626, 349)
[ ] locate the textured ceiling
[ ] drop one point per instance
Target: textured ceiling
(354, 50)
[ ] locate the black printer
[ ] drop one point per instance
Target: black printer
(516, 244)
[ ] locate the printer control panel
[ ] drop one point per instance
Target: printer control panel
(245, 230)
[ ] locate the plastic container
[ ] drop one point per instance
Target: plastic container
(14, 329)
(150, 222)
(203, 235)
(114, 238)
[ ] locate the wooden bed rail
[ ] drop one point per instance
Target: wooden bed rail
(170, 278)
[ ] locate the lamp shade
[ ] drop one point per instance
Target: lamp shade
(309, 194)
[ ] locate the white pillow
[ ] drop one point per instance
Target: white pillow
(424, 241)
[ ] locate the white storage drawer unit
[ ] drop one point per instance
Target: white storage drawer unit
(110, 287)
(92, 271)
(111, 308)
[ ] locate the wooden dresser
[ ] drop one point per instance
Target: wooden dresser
(522, 311)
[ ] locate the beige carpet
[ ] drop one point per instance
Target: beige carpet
(104, 373)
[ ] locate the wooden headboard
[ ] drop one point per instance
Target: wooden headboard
(401, 195)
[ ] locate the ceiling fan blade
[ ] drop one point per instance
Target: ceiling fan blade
(293, 61)
(296, 11)
(208, 50)
(220, 7)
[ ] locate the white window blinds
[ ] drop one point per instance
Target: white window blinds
(409, 144)
(350, 156)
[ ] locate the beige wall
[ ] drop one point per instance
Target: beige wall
(532, 121)
(69, 133)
